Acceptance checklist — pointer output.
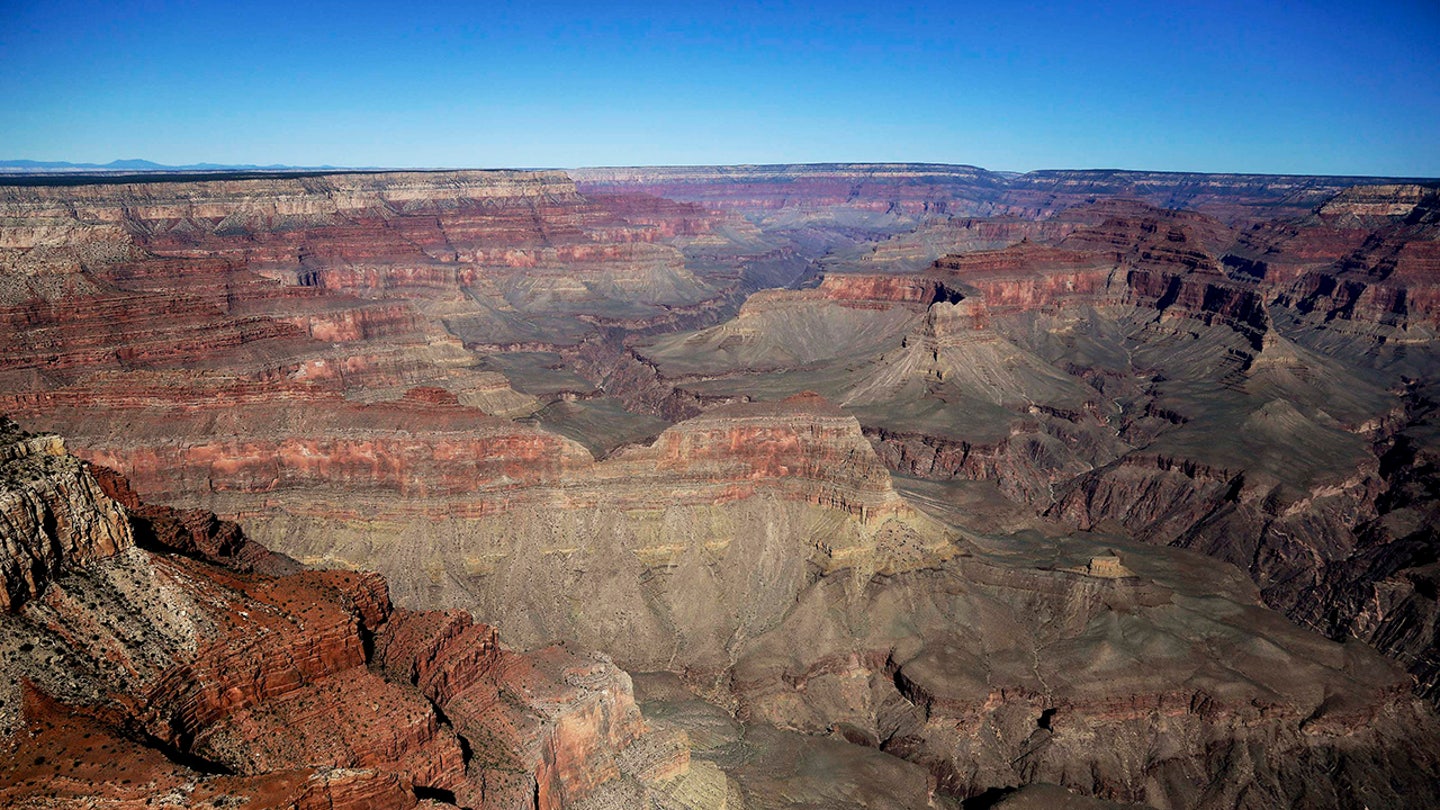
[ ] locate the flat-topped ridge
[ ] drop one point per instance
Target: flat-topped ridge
(161, 176)
(390, 186)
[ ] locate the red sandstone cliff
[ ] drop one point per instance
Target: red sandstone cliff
(168, 676)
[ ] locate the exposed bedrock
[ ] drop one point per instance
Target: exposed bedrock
(1123, 672)
(53, 515)
(992, 662)
(1389, 279)
(1005, 670)
(353, 281)
(727, 502)
(140, 675)
(407, 448)
(1155, 372)
(321, 360)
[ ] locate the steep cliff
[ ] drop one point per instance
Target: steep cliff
(56, 518)
(141, 675)
(1156, 372)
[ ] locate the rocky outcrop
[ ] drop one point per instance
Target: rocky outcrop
(1057, 695)
(53, 516)
(144, 674)
(69, 759)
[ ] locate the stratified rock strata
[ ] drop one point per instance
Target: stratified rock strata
(143, 677)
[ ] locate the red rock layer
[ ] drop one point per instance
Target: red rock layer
(1028, 277)
(802, 446)
(261, 319)
(254, 439)
(64, 758)
(303, 690)
(458, 665)
(858, 289)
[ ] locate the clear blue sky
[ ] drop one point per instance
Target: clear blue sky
(1257, 86)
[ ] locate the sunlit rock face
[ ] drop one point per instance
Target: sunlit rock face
(136, 672)
(1231, 389)
(55, 516)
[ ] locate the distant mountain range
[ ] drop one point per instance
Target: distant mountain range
(136, 164)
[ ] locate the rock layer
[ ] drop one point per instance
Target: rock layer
(55, 517)
(142, 674)
(1156, 372)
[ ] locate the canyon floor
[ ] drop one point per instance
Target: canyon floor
(819, 486)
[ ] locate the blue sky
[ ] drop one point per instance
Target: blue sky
(1305, 87)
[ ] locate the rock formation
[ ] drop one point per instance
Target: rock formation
(135, 672)
(1232, 391)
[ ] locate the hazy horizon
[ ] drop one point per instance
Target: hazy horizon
(62, 167)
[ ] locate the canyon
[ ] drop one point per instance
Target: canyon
(833, 485)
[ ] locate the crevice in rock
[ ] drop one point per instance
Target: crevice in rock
(423, 792)
(990, 798)
(180, 755)
(1045, 719)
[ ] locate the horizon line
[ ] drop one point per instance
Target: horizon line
(22, 167)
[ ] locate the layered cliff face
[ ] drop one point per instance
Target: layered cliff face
(920, 188)
(173, 295)
(732, 509)
(136, 674)
(483, 250)
(302, 308)
(55, 516)
(1384, 289)
(998, 661)
(1150, 371)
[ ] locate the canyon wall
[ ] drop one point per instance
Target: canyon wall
(210, 685)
